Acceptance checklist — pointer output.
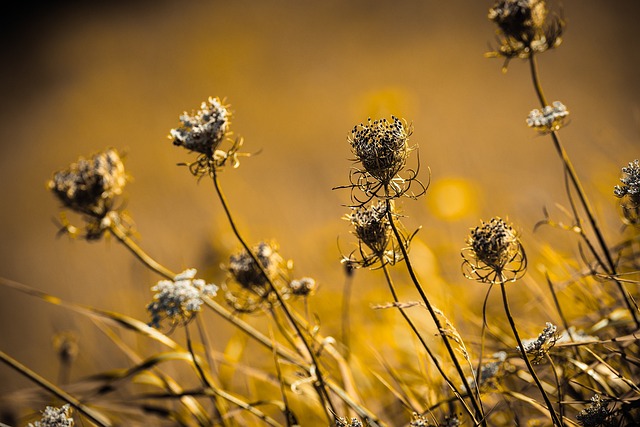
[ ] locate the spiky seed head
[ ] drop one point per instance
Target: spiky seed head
(539, 347)
(55, 417)
(597, 414)
(520, 19)
(244, 270)
(204, 130)
(89, 186)
(495, 243)
(303, 287)
(381, 146)
(371, 226)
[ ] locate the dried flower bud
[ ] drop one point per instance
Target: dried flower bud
(245, 271)
(303, 287)
(597, 414)
(382, 147)
(90, 186)
(344, 422)
(539, 347)
(525, 27)
(55, 417)
(494, 254)
(204, 130)
(371, 226)
(629, 193)
(550, 119)
(491, 372)
(179, 299)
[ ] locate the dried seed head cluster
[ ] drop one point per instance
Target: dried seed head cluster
(55, 417)
(344, 422)
(381, 146)
(539, 347)
(247, 287)
(178, 300)
(597, 414)
(204, 130)
(303, 287)
(525, 27)
(371, 226)
(491, 372)
(494, 254)
(550, 119)
(629, 193)
(89, 186)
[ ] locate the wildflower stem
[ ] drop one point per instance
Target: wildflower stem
(552, 412)
(92, 415)
(611, 266)
(394, 293)
(319, 385)
(477, 406)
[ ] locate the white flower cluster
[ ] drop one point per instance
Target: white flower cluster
(550, 119)
(179, 299)
(55, 417)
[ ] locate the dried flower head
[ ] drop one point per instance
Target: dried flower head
(179, 299)
(204, 131)
(629, 193)
(525, 27)
(55, 417)
(375, 236)
(89, 186)
(597, 414)
(247, 287)
(491, 372)
(344, 422)
(550, 119)
(303, 287)
(382, 148)
(494, 254)
(538, 348)
(418, 420)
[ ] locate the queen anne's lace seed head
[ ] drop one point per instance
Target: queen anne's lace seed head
(344, 422)
(247, 273)
(629, 193)
(203, 130)
(55, 417)
(382, 147)
(89, 186)
(494, 253)
(303, 287)
(178, 300)
(525, 27)
(491, 372)
(539, 347)
(371, 226)
(550, 119)
(597, 414)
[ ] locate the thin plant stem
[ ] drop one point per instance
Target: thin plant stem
(483, 331)
(320, 385)
(552, 412)
(610, 267)
(413, 327)
(346, 316)
(558, 387)
(92, 415)
(476, 405)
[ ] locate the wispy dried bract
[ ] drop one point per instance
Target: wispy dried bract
(178, 300)
(549, 119)
(597, 414)
(524, 27)
(382, 149)
(539, 347)
(246, 287)
(89, 186)
(55, 417)
(629, 193)
(494, 254)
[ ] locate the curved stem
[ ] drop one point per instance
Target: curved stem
(394, 293)
(610, 267)
(477, 406)
(552, 412)
(320, 385)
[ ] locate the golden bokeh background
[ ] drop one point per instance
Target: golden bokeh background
(77, 78)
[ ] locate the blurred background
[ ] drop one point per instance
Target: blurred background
(80, 77)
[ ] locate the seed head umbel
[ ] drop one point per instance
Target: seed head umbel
(494, 253)
(371, 226)
(204, 130)
(303, 287)
(629, 193)
(538, 348)
(55, 417)
(344, 422)
(89, 186)
(596, 414)
(178, 300)
(524, 27)
(549, 119)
